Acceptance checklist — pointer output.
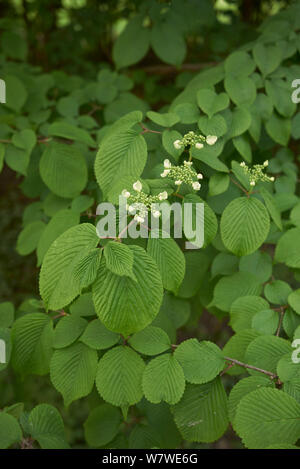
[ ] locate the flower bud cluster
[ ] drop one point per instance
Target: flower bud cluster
(256, 173)
(184, 173)
(192, 139)
(140, 203)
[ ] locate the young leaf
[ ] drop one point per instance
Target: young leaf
(46, 426)
(163, 380)
(201, 414)
(73, 370)
(150, 341)
(170, 261)
(125, 305)
(201, 361)
(267, 416)
(119, 376)
(244, 225)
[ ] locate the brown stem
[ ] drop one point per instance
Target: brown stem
(245, 365)
(239, 186)
(145, 130)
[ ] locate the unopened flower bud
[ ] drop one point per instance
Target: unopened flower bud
(177, 144)
(163, 195)
(165, 173)
(125, 193)
(137, 186)
(211, 139)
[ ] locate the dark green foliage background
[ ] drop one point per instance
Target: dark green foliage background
(89, 63)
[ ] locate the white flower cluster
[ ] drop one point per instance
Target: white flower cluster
(139, 203)
(256, 173)
(192, 139)
(183, 173)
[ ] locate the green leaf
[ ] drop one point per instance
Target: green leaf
(210, 102)
(61, 222)
(71, 132)
(81, 203)
(240, 122)
(29, 237)
(241, 389)
(265, 351)
(228, 289)
(46, 426)
(197, 264)
(25, 139)
(58, 284)
(73, 370)
(224, 264)
(167, 119)
(267, 415)
(16, 94)
(119, 259)
(10, 431)
(239, 63)
(215, 125)
(207, 221)
(267, 58)
(243, 146)
(236, 348)
(241, 89)
(218, 183)
(294, 300)
(279, 129)
(266, 321)
(13, 45)
(168, 43)
(169, 259)
(68, 329)
(7, 314)
(124, 305)
(17, 159)
(163, 380)
(272, 207)
(244, 225)
(132, 44)
(168, 139)
(123, 153)
(201, 361)
(102, 425)
(188, 112)
(287, 249)
(259, 263)
(96, 336)
(201, 414)
(280, 95)
(243, 309)
(63, 169)
(277, 292)
(150, 341)
(119, 376)
(32, 338)
(87, 268)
